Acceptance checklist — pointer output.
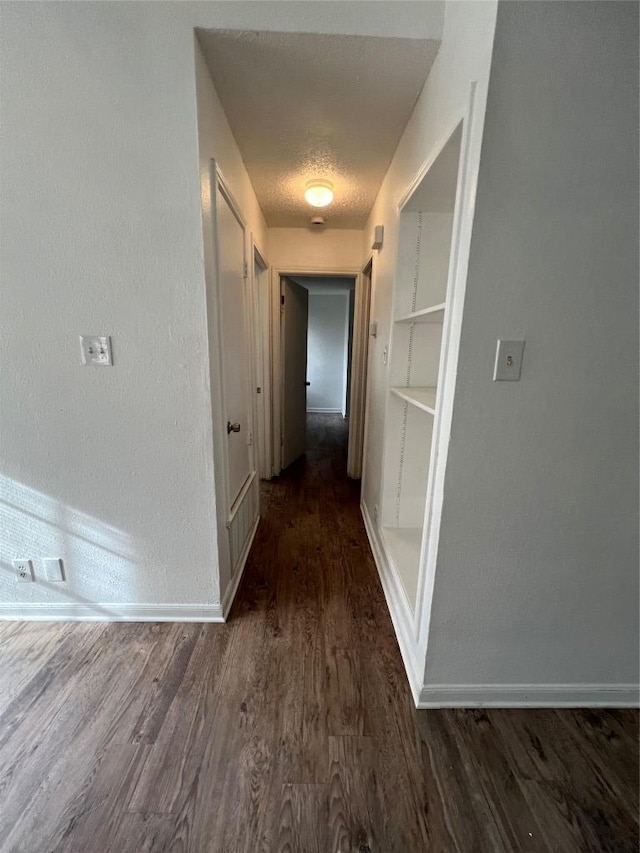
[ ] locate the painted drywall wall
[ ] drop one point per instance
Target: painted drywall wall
(112, 469)
(464, 58)
(537, 571)
(108, 468)
(327, 351)
(308, 249)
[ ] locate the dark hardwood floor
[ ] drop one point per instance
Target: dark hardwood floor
(291, 728)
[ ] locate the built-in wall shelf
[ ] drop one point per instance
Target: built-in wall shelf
(416, 358)
(403, 546)
(423, 398)
(434, 314)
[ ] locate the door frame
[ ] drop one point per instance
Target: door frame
(260, 308)
(276, 347)
(359, 371)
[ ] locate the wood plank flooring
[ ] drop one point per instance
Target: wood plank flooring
(291, 728)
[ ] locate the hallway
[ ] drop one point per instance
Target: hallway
(291, 728)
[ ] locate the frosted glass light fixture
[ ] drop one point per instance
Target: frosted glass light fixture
(319, 193)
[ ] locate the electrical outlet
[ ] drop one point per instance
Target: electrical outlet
(24, 570)
(53, 569)
(95, 351)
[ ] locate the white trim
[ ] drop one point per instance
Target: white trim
(468, 168)
(232, 586)
(241, 496)
(360, 431)
(261, 311)
(73, 612)
(529, 696)
(107, 612)
(276, 345)
(401, 615)
(345, 354)
(359, 369)
(326, 411)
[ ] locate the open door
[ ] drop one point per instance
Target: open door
(295, 317)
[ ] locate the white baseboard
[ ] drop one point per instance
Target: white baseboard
(75, 612)
(481, 695)
(529, 696)
(232, 586)
(401, 615)
(337, 411)
(85, 612)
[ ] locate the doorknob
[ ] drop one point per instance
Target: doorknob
(307, 383)
(232, 427)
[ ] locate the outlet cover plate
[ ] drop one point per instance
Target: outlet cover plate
(24, 571)
(53, 569)
(96, 350)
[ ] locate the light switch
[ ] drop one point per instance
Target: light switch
(96, 351)
(508, 361)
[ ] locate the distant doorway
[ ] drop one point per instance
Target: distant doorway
(317, 323)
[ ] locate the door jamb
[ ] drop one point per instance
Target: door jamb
(276, 348)
(359, 363)
(261, 314)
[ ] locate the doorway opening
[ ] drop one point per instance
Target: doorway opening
(329, 337)
(321, 328)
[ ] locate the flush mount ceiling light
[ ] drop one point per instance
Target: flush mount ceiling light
(319, 193)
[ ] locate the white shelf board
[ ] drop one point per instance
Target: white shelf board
(403, 545)
(434, 314)
(423, 398)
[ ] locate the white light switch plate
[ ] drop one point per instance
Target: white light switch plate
(96, 350)
(508, 361)
(53, 569)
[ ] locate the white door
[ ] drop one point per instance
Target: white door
(295, 319)
(236, 352)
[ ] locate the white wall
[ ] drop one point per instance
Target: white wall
(109, 468)
(306, 249)
(537, 573)
(327, 351)
(112, 469)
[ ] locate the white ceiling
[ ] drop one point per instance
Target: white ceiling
(305, 106)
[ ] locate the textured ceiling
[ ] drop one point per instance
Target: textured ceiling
(305, 106)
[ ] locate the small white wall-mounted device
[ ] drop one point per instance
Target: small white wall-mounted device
(373, 329)
(24, 570)
(53, 569)
(378, 237)
(508, 361)
(96, 351)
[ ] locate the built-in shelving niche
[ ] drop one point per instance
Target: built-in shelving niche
(420, 309)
